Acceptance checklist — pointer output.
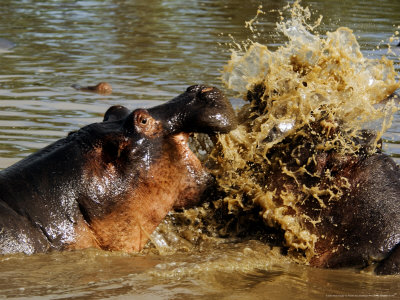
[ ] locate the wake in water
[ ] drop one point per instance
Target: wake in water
(312, 97)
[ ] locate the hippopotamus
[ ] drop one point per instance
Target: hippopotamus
(328, 197)
(101, 88)
(361, 229)
(109, 184)
(356, 220)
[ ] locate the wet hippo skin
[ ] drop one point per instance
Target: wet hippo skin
(363, 228)
(109, 184)
(359, 225)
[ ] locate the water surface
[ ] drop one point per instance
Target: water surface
(150, 51)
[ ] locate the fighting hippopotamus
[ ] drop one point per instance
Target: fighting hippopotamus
(327, 193)
(363, 228)
(354, 205)
(109, 184)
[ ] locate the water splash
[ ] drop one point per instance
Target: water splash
(312, 96)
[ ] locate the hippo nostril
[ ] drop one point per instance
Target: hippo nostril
(198, 88)
(207, 89)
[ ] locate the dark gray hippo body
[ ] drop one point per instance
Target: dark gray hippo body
(358, 224)
(348, 191)
(364, 227)
(109, 184)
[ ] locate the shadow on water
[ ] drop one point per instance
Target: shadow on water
(150, 51)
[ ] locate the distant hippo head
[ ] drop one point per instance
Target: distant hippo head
(109, 184)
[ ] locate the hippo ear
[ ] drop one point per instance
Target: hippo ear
(115, 113)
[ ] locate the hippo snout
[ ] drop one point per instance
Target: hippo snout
(200, 109)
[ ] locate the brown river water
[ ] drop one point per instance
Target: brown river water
(150, 51)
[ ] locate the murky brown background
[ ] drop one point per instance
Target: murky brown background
(150, 51)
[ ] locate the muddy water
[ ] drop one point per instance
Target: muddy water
(150, 51)
(323, 82)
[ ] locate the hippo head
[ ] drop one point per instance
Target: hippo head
(139, 166)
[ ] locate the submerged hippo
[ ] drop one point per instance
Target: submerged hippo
(109, 184)
(101, 88)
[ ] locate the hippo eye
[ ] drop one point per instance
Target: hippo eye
(145, 124)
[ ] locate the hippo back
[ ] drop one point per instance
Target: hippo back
(364, 226)
(38, 205)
